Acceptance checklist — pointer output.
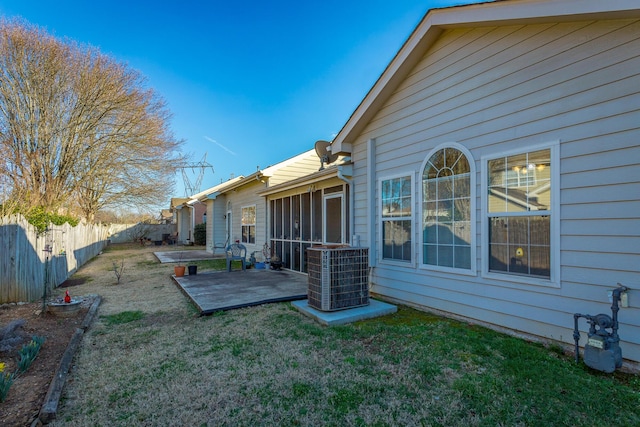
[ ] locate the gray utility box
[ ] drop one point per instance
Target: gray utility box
(338, 277)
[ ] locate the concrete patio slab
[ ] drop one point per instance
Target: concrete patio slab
(331, 318)
(185, 256)
(221, 290)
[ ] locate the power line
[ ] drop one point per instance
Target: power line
(191, 188)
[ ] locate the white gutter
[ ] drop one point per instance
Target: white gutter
(192, 210)
(371, 200)
(348, 170)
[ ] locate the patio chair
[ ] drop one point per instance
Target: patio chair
(221, 246)
(236, 252)
(173, 238)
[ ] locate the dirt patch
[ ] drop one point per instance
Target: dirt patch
(74, 281)
(29, 389)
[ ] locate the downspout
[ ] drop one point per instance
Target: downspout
(212, 236)
(180, 215)
(371, 200)
(267, 220)
(193, 220)
(349, 170)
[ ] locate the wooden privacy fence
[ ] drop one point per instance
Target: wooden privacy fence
(33, 263)
(124, 233)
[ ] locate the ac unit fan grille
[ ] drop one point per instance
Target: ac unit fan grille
(338, 278)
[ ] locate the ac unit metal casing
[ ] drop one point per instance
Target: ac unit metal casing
(338, 277)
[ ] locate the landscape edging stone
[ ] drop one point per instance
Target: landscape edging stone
(50, 406)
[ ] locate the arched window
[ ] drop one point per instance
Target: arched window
(447, 209)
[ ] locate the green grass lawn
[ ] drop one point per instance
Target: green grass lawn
(270, 365)
(150, 360)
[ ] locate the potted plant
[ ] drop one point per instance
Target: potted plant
(193, 269)
(276, 264)
(178, 270)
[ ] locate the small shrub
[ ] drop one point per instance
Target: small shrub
(200, 234)
(40, 219)
(118, 269)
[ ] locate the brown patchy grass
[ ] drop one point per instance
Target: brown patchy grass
(149, 360)
(145, 285)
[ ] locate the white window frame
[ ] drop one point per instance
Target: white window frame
(554, 278)
(254, 225)
(472, 271)
(411, 218)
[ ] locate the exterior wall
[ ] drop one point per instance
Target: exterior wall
(499, 89)
(183, 223)
(210, 225)
(242, 197)
(216, 224)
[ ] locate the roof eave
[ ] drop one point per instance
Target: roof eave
(501, 12)
(328, 172)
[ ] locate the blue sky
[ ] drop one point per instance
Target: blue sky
(248, 83)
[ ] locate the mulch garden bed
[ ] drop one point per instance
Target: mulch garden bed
(28, 391)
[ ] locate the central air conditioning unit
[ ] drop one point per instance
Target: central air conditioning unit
(338, 277)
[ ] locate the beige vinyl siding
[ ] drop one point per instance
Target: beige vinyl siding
(526, 87)
(210, 226)
(216, 223)
(498, 89)
(183, 219)
(359, 194)
(242, 197)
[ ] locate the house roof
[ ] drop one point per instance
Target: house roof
(436, 21)
(203, 195)
(178, 201)
(271, 169)
(259, 175)
(328, 172)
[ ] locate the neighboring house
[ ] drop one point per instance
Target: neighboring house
(218, 223)
(497, 166)
(166, 216)
(237, 210)
(188, 212)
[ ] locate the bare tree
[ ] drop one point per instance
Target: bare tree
(79, 129)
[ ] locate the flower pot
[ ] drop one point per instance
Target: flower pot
(178, 270)
(193, 269)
